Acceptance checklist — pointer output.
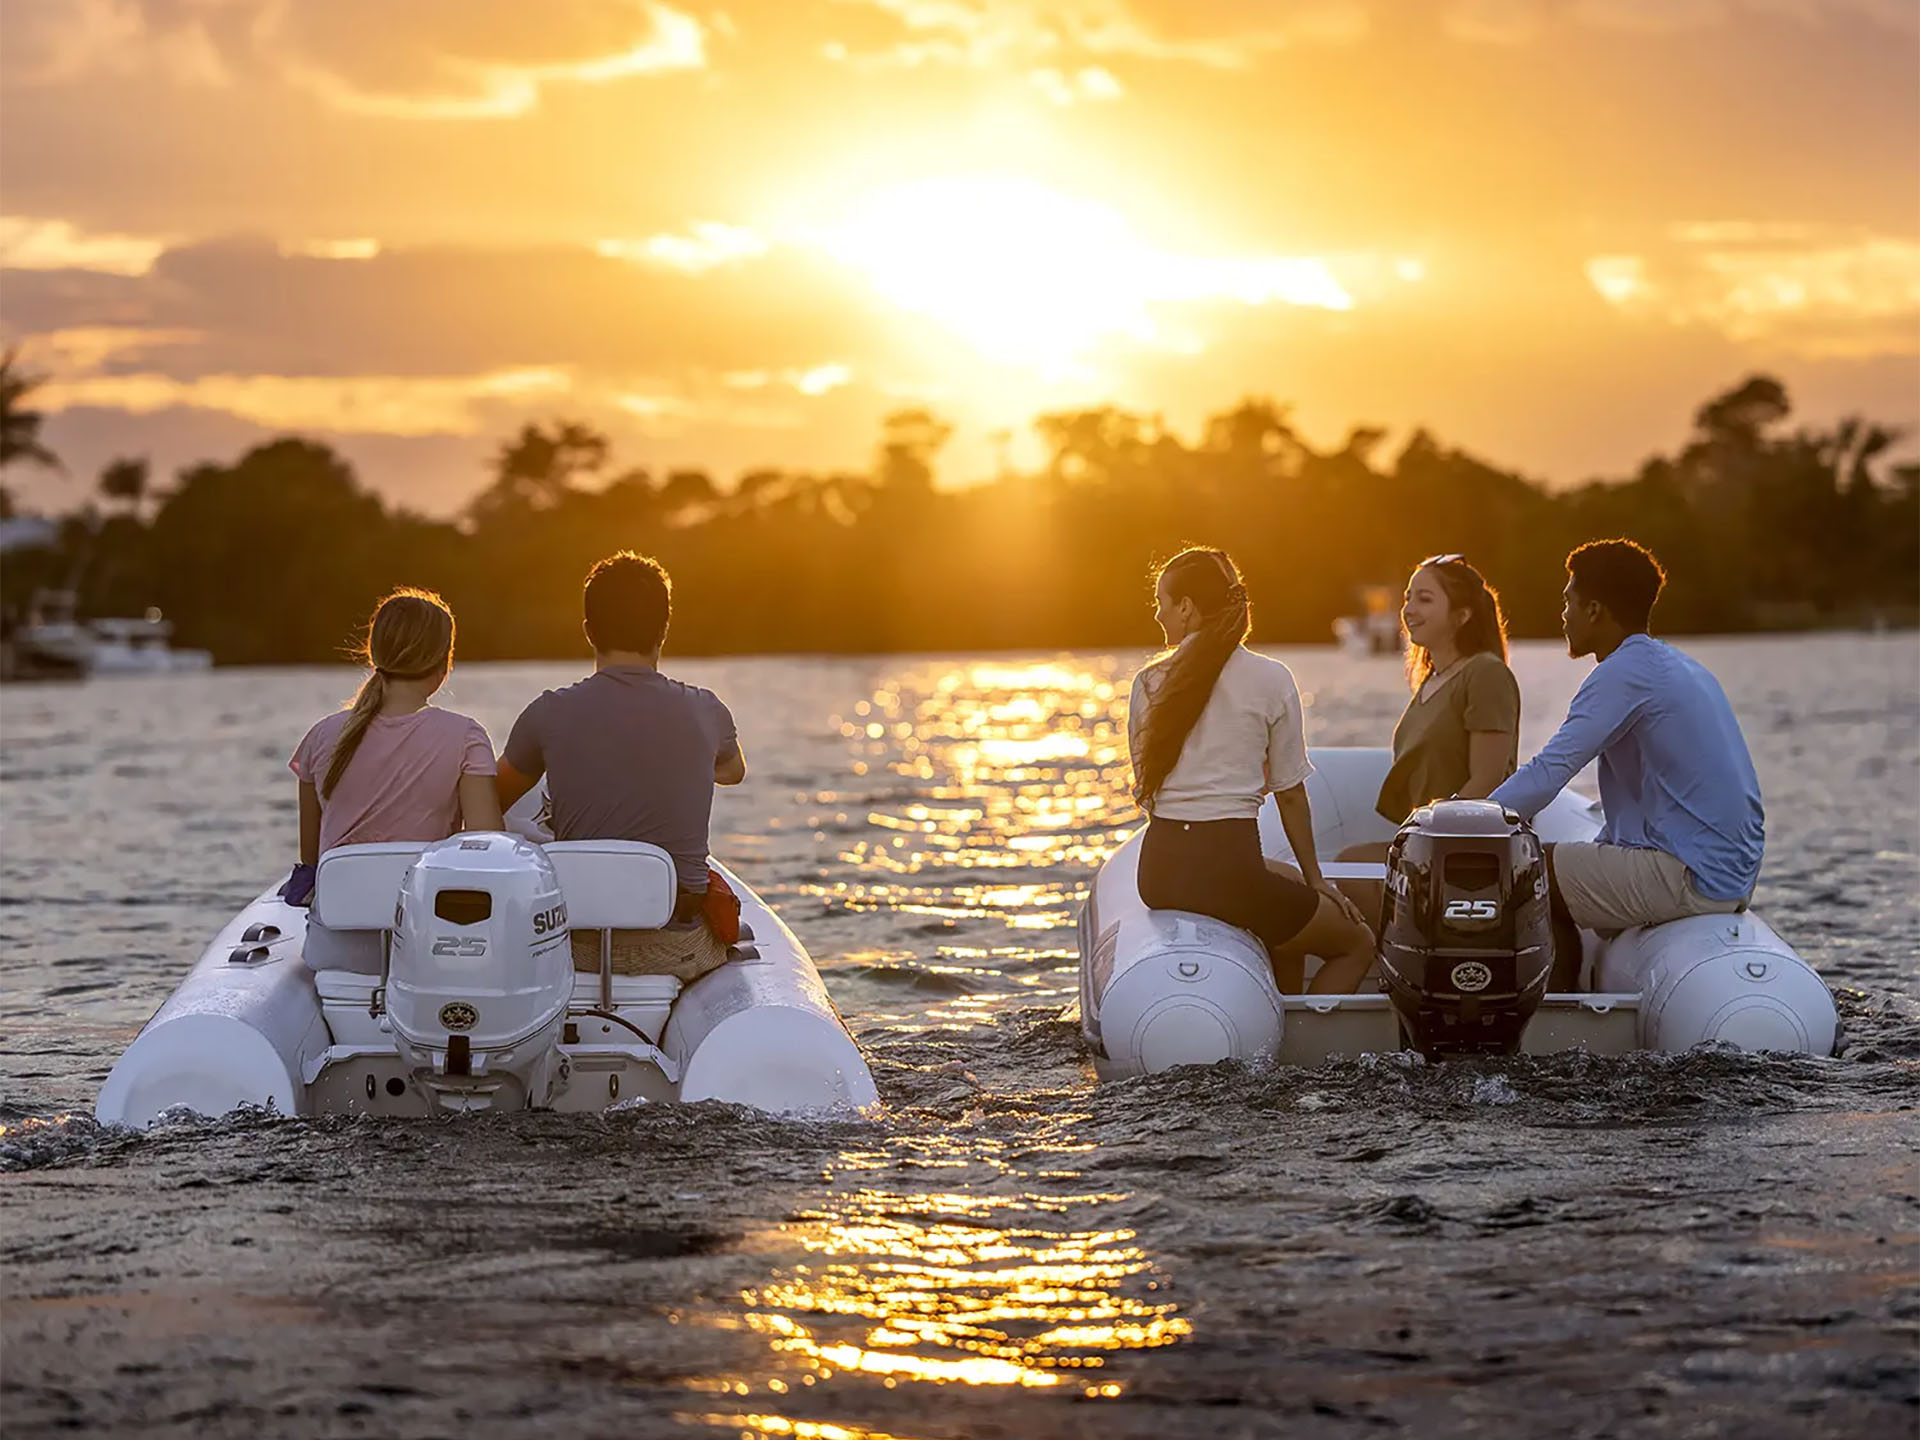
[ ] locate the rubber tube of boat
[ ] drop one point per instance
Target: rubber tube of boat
(1164, 987)
(1728, 978)
(234, 1033)
(1186, 990)
(763, 1032)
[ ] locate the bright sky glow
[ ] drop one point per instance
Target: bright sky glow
(737, 237)
(1032, 276)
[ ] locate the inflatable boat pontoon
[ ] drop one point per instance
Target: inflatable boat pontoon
(480, 1006)
(1165, 988)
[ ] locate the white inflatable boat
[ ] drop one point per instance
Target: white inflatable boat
(1166, 988)
(480, 1006)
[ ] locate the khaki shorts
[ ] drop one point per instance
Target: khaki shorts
(685, 952)
(1610, 888)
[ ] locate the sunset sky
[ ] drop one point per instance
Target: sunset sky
(736, 236)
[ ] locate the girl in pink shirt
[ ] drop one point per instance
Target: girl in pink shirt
(392, 767)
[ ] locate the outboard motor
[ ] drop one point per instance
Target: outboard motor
(1466, 937)
(481, 973)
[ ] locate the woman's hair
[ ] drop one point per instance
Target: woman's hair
(1208, 578)
(409, 638)
(1484, 631)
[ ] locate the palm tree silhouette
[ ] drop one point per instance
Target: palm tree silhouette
(20, 426)
(125, 481)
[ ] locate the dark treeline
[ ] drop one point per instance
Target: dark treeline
(278, 556)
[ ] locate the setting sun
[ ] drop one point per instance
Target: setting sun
(1030, 275)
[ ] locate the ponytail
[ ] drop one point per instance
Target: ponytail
(1185, 678)
(366, 705)
(409, 638)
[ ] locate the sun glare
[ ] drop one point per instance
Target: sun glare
(1032, 276)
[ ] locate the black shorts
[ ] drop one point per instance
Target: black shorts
(1214, 867)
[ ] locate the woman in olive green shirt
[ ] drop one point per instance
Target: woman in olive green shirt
(1460, 733)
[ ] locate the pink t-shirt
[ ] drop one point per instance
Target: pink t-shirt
(403, 783)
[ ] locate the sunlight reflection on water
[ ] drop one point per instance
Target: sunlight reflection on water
(1028, 763)
(954, 1288)
(930, 845)
(961, 775)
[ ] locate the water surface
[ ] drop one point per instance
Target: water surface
(1707, 1243)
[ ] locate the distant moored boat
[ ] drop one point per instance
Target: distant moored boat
(1376, 630)
(53, 639)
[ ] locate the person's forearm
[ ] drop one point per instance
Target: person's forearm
(1296, 818)
(480, 804)
(1529, 789)
(1534, 784)
(1600, 713)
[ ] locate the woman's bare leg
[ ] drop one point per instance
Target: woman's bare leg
(1289, 972)
(1289, 965)
(1340, 944)
(1345, 950)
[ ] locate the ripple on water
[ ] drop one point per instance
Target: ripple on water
(1375, 1238)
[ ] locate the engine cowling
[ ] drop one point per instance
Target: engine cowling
(1466, 935)
(481, 973)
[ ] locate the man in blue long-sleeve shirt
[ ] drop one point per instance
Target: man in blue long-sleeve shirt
(1684, 827)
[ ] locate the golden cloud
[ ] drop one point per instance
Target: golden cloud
(31, 244)
(493, 90)
(404, 405)
(1048, 34)
(1804, 288)
(64, 41)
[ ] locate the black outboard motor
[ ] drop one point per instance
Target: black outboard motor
(1466, 938)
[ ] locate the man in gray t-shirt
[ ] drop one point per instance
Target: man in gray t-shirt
(629, 754)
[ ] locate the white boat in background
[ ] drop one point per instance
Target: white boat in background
(1160, 988)
(479, 1006)
(53, 636)
(140, 647)
(1376, 630)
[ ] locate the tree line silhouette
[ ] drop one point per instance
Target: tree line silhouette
(278, 556)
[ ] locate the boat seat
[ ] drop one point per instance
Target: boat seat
(358, 886)
(1353, 870)
(346, 998)
(615, 884)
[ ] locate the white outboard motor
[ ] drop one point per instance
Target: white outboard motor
(481, 974)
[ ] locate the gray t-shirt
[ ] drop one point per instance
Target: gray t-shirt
(628, 754)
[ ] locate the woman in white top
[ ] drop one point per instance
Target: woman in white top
(1213, 728)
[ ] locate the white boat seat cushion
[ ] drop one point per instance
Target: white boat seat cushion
(346, 999)
(347, 987)
(358, 886)
(615, 884)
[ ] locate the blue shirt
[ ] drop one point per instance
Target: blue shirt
(1675, 774)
